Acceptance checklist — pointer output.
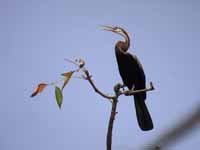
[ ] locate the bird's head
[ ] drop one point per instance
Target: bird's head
(121, 32)
(117, 30)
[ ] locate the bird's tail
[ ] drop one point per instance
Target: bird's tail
(142, 113)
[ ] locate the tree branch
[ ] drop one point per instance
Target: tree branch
(132, 92)
(88, 77)
(112, 116)
(114, 101)
(110, 125)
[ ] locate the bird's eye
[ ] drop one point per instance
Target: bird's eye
(118, 30)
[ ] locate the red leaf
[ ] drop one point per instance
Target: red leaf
(39, 89)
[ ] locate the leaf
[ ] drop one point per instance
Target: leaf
(68, 76)
(39, 89)
(59, 96)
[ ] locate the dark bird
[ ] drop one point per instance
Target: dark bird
(133, 77)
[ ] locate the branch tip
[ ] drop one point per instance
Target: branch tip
(151, 85)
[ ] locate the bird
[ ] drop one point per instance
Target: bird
(133, 76)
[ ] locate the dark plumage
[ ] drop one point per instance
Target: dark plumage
(133, 77)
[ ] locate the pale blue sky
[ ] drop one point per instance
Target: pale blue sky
(37, 35)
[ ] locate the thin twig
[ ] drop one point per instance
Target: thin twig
(88, 77)
(55, 82)
(71, 61)
(78, 77)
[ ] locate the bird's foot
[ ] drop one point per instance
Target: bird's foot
(123, 86)
(133, 87)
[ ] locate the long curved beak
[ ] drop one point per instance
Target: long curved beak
(107, 28)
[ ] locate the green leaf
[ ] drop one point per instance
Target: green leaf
(67, 76)
(59, 96)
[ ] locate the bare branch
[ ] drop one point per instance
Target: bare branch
(113, 100)
(114, 108)
(132, 92)
(112, 116)
(88, 77)
(111, 122)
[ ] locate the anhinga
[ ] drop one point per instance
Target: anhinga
(133, 77)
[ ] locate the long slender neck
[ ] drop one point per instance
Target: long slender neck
(124, 45)
(127, 40)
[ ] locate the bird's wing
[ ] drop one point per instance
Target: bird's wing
(139, 72)
(137, 60)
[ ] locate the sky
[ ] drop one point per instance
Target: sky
(36, 36)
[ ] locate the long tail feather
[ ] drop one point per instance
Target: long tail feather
(142, 113)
